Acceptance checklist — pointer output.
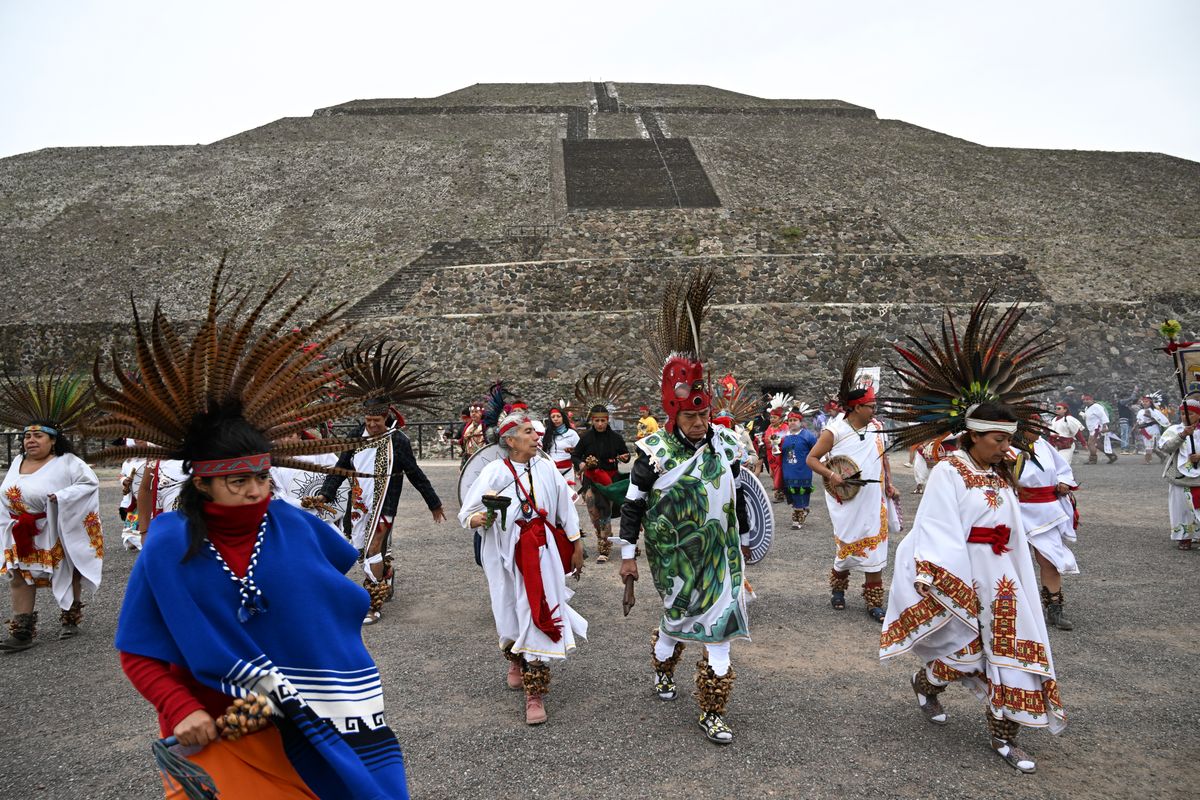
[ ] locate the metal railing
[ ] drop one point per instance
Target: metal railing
(422, 434)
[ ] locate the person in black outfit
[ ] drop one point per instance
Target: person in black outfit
(600, 448)
(376, 551)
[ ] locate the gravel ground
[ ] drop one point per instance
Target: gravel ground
(815, 714)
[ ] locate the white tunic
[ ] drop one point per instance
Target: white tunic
(132, 469)
(510, 603)
(981, 623)
(1182, 476)
(1068, 427)
(69, 538)
(1151, 422)
(861, 525)
(1095, 418)
(1049, 525)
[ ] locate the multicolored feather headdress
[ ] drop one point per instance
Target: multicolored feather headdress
(605, 387)
(945, 376)
(674, 342)
(226, 375)
(58, 400)
(379, 377)
(734, 403)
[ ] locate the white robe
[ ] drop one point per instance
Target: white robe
(69, 538)
(1150, 423)
(1182, 475)
(565, 441)
(982, 621)
(1049, 526)
(510, 603)
(861, 525)
(1068, 427)
(365, 502)
(131, 468)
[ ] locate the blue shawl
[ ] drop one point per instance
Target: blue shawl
(305, 652)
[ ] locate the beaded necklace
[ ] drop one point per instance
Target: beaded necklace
(253, 601)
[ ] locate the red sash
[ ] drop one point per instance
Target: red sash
(1195, 492)
(1059, 442)
(997, 537)
(530, 542)
(564, 464)
(1037, 494)
(600, 477)
(24, 530)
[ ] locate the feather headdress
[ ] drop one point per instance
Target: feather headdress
(379, 376)
(734, 402)
(779, 403)
(943, 376)
(58, 398)
(227, 374)
(493, 404)
(674, 342)
(850, 394)
(605, 387)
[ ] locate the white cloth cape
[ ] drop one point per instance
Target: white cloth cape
(70, 537)
(510, 604)
(373, 457)
(982, 621)
(292, 485)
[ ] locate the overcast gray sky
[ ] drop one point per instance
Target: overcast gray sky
(1077, 75)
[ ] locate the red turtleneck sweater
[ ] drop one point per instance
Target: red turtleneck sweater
(170, 688)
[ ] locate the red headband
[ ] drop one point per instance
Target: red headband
(868, 397)
(231, 466)
(795, 415)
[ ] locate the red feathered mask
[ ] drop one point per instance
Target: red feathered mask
(684, 388)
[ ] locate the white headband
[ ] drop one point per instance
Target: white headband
(985, 425)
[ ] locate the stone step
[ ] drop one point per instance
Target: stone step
(636, 173)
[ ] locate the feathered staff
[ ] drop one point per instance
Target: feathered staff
(59, 398)
(943, 376)
(227, 371)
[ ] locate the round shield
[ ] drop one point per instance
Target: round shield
(758, 509)
(480, 459)
(844, 466)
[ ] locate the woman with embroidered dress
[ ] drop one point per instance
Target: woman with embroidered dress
(223, 609)
(559, 442)
(50, 531)
(964, 596)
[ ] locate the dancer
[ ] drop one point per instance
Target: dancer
(50, 533)
(1182, 473)
(682, 489)
(1150, 423)
(1065, 431)
(964, 594)
(379, 378)
(600, 449)
(1045, 486)
(647, 424)
(797, 474)
(1095, 420)
(773, 435)
(236, 597)
(851, 457)
(522, 507)
(559, 442)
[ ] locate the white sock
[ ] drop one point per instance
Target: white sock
(718, 658)
(664, 648)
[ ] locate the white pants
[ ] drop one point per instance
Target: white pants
(718, 654)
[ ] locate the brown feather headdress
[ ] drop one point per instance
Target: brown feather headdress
(605, 387)
(378, 377)
(673, 341)
(943, 376)
(849, 393)
(59, 398)
(226, 374)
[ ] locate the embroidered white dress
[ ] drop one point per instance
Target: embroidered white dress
(510, 603)
(861, 525)
(1049, 526)
(981, 622)
(69, 538)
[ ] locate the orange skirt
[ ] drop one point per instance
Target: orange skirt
(254, 766)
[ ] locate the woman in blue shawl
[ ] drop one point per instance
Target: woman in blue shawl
(237, 598)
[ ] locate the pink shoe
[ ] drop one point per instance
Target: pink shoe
(514, 675)
(535, 710)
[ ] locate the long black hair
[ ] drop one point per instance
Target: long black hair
(551, 430)
(991, 412)
(227, 438)
(60, 444)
